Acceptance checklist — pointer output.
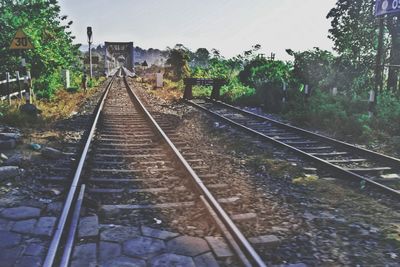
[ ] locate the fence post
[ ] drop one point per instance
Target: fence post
(19, 84)
(8, 87)
(27, 90)
(31, 93)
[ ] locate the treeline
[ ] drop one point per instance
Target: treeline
(338, 84)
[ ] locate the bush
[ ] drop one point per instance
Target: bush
(46, 86)
(339, 115)
(388, 113)
(235, 91)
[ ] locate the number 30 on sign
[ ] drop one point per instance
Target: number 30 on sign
(21, 41)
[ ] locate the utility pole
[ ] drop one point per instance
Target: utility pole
(90, 41)
(378, 62)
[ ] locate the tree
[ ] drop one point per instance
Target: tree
(313, 67)
(201, 57)
(49, 34)
(355, 34)
(267, 77)
(178, 58)
(353, 30)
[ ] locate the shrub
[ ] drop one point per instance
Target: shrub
(235, 91)
(46, 86)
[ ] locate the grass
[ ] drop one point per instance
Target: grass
(61, 106)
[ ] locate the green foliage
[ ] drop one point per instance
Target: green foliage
(388, 114)
(313, 67)
(201, 57)
(50, 36)
(354, 31)
(235, 91)
(178, 58)
(339, 115)
(46, 86)
(201, 91)
(268, 78)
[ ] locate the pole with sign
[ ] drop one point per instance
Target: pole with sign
(382, 8)
(21, 42)
(385, 7)
(90, 41)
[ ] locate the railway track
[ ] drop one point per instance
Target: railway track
(134, 195)
(343, 159)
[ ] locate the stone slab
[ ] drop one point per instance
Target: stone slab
(143, 247)
(55, 207)
(84, 263)
(20, 213)
(265, 240)
(108, 250)
(219, 246)
(88, 227)
(45, 226)
(206, 260)
(9, 239)
(119, 233)
(8, 257)
(24, 227)
(5, 224)
(35, 249)
(29, 261)
(187, 246)
(169, 259)
(160, 234)
(124, 262)
(85, 251)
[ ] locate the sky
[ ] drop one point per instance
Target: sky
(231, 26)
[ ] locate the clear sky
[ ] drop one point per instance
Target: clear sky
(230, 26)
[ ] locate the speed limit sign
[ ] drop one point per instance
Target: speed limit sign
(20, 41)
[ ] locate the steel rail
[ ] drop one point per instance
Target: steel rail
(378, 156)
(62, 223)
(72, 229)
(241, 242)
(326, 164)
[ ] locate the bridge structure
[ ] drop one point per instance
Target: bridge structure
(118, 54)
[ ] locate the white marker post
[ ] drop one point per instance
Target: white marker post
(284, 89)
(159, 80)
(371, 103)
(67, 79)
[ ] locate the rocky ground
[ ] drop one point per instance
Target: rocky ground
(320, 220)
(29, 208)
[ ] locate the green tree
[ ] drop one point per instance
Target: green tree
(313, 67)
(353, 27)
(178, 58)
(268, 78)
(49, 34)
(201, 57)
(355, 34)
